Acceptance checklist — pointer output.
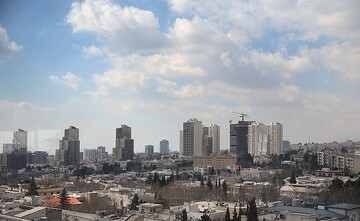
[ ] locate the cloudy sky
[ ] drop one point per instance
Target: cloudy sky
(153, 64)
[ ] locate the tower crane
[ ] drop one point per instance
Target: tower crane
(242, 115)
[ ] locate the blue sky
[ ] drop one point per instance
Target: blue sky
(155, 64)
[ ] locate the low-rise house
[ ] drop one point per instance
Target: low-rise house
(326, 172)
(254, 174)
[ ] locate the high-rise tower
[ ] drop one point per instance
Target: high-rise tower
(264, 140)
(164, 146)
(191, 138)
(124, 145)
(239, 138)
(69, 148)
(14, 154)
(214, 133)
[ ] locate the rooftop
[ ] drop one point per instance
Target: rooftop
(345, 206)
(319, 212)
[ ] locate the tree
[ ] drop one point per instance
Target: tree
(184, 215)
(227, 214)
(64, 199)
(205, 217)
(156, 178)
(134, 202)
(32, 189)
(209, 184)
(251, 211)
(292, 178)
(225, 187)
(240, 214)
(202, 184)
(336, 184)
(235, 215)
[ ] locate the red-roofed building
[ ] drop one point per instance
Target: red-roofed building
(55, 202)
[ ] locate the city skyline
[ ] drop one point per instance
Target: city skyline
(154, 64)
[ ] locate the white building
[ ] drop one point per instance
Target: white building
(275, 131)
(191, 138)
(264, 140)
(214, 133)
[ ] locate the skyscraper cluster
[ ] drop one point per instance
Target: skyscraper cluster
(199, 140)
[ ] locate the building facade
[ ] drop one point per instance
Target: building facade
(124, 145)
(339, 161)
(211, 139)
(191, 138)
(69, 148)
(264, 140)
(239, 138)
(164, 147)
(216, 161)
(149, 150)
(95, 155)
(14, 154)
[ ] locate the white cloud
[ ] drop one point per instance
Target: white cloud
(93, 51)
(68, 79)
(209, 62)
(7, 48)
(120, 29)
(341, 58)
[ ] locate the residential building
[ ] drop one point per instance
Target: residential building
(254, 174)
(214, 133)
(339, 161)
(164, 146)
(326, 172)
(191, 138)
(275, 131)
(14, 154)
(95, 155)
(264, 140)
(37, 157)
(216, 161)
(239, 137)
(149, 150)
(124, 145)
(69, 148)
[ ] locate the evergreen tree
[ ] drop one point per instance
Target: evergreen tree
(209, 184)
(134, 202)
(251, 212)
(336, 183)
(184, 215)
(156, 178)
(177, 173)
(240, 214)
(64, 199)
(205, 217)
(225, 187)
(292, 178)
(235, 215)
(202, 184)
(32, 189)
(227, 214)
